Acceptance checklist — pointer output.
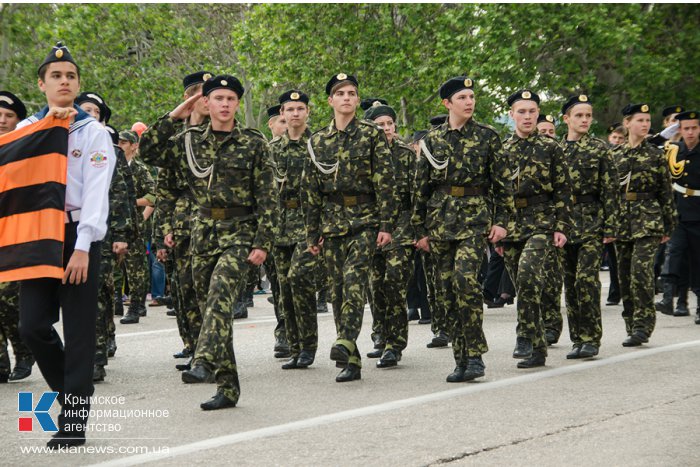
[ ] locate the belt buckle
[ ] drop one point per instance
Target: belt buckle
(520, 203)
(631, 196)
(349, 201)
(218, 214)
(457, 191)
(291, 204)
(690, 192)
(575, 199)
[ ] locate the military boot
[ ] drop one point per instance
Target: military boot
(23, 368)
(322, 301)
(665, 305)
(240, 311)
(111, 347)
(132, 316)
(282, 349)
(682, 304)
(537, 358)
(248, 299)
(98, 373)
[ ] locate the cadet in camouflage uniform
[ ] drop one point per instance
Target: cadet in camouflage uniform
(296, 267)
(392, 265)
(136, 261)
(229, 172)
(463, 195)
(594, 184)
(647, 217)
(351, 205)
(542, 200)
(13, 111)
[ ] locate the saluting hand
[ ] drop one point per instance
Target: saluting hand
(184, 110)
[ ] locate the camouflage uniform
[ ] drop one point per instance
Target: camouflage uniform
(594, 183)
(9, 321)
(551, 299)
(542, 200)
(347, 208)
(392, 265)
(296, 267)
(456, 207)
(236, 208)
(647, 213)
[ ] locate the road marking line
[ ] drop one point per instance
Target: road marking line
(225, 440)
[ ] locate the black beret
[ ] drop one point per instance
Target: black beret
(294, 95)
(113, 134)
(12, 102)
(453, 85)
(688, 115)
(631, 109)
(273, 111)
(195, 78)
(573, 100)
(545, 118)
(369, 102)
(523, 95)
(223, 82)
(340, 78)
(419, 135)
(59, 53)
(93, 97)
(438, 120)
(614, 127)
(674, 109)
(380, 110)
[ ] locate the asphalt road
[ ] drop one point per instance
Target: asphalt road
(628, 406)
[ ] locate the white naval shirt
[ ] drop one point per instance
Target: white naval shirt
(91, 162)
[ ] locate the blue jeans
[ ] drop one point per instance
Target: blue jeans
(157, 274)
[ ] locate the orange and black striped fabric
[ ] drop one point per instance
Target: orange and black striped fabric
(32, 200)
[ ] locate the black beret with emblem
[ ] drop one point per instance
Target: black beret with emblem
(369, 102)
(223, 82)
(438, 120)
(523, 95)
(59, 53)
(615, 127)
(338, 79)
(94, 98)
(294, 95)
(574, 100)
(379, 110)
(545, 118)
(273, 111)
(631, 109)
(113, 134)
(673, 109)
(688, 115)
(195, 78)
(454, 85)
(12, 102)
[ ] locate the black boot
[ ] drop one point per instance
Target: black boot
(413, 314)
(98, 373)
(248, 299)
(536, 359)
(111, 347)
(282, 349)
(523, 348)
(23, 368)
(240, 311)
(682, 304)
(322, 301)
(665, 305)
(132, 316)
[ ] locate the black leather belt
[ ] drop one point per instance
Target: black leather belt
(521, 203)
(579, 199)
(636, 196)
(462, 190)
(349, 200)
(225, 213)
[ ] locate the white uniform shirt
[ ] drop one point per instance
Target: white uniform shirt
(91, 162)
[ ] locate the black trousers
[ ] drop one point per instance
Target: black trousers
(417, 292)
(614, 290)
(66, 367)
(684, 256)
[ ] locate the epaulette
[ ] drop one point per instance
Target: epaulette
(488, 127)
(370, 123)
(599, 141)
(275, 140)
(405, 145)
(254, 132)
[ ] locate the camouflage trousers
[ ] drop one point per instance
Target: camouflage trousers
(459, 292)
(137, 273)
(636, 269)
(189, 315)
(219, 280)
(551, 297)
(531, 264)
(438, 316)
(581, 265)
(9, 324)
(104, 324)
(273, 276)
(296, 272)
(389, 276)
(348, 260)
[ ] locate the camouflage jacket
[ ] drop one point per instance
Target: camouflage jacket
(404, 160)
(288, 159)
(643, 169)
(174, 204)
(594, 183)
(121, 211)
(241, 177)
(364, 170)
(539, 171)
(475, 160)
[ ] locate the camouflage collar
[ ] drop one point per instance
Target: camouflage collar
(445, 127)
(350, 129)
(235, 133)
(583, 140)
(286, 140)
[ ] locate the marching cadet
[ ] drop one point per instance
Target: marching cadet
(594, 184)
(392, 265)
(463, 194)
(228, 169)
(351, 205)
(12, 111)
(684, 246)
(542, 200)
(545, 126)
(68, 366)
(647, 217)
(296, 266)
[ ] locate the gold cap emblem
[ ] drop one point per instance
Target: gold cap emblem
(224, 82)
(468, 82)
(59, 53)
(342, 76)
(376, 104)
(693, 115)
(645, 108)
(6, 99)
(549, 118)
(206, 76)
(294, 96)
(583, 98)
(678, 109)
(526, 95)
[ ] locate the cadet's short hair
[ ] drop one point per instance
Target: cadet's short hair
(194, 89)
